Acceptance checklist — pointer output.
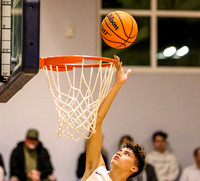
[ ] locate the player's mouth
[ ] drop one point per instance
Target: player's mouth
(116, 157)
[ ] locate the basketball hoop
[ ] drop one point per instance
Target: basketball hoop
(77, 100)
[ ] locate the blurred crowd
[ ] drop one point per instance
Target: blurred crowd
(30, 161)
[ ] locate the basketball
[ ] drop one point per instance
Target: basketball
(119, 29)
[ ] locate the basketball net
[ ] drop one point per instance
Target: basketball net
(77, 106)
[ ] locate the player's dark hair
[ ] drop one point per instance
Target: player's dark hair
(195, 153)
(159, 133)
(139, 153)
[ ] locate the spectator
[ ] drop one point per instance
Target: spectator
(30, 161)
(148, 173)
(2, 169)
(123, 140)
(192, 173)
(165, 163)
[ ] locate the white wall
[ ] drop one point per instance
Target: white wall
(146, 103)
(56, 15)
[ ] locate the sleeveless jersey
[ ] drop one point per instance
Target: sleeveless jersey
(100, 174)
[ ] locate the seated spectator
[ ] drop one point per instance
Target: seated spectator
(165, 163)
(81, 163)
(192, 173)
(123, 140)
(30, 161)
(2, 169)
(148, 173)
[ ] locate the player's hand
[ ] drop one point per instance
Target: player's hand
(121, 77)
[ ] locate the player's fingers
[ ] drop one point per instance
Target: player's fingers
(119, 65)
(128, 72)
(116, 58)
(118, 62)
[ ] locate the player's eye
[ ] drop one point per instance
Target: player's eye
(127, 153)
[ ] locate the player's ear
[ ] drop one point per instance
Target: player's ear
(134, 169)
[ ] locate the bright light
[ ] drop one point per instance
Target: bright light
(161, 56)
(182, 51)
(168, 52)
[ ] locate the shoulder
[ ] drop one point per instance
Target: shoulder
(18, 152)
(82, 157)
(99, 171)
(151, 154)
(148, 154)
(19, 147)
(170, 155)
(149, 167)
(189, 168)
(40, 147)
(20, 144)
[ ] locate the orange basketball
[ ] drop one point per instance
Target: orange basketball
(119, 29)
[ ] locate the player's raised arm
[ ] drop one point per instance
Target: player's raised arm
(94, 144)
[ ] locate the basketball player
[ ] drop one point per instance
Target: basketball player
(128, 161)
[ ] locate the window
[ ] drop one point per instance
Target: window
(179, 4)
(126, 4)
(168, 36)
(181, 35)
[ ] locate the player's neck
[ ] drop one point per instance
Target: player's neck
(117, 176)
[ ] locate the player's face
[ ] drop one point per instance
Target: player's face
(124, 159)
(159, 143)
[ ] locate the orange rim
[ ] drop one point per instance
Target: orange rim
(60, 62)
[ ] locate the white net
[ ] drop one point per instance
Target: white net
(77, 100)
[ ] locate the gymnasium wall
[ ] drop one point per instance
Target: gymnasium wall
(146, 103)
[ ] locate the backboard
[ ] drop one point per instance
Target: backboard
(19, 60)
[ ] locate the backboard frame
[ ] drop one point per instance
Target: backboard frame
(30, 51)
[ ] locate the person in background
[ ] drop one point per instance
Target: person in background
(2, 169)
(30, 161)
(123, 140)
(192, 172)
(165, 163)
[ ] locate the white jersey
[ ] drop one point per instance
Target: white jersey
(191, 173)
(165, 164)
(100, 174)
